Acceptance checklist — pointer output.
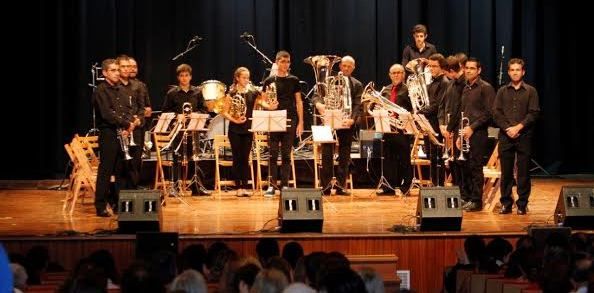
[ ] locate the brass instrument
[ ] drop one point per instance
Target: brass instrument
(376, 101)
(464, 142)
(237, 107)
(338, 95)
(417, 87)
(124, 143)
(270, 94)
(448, 147)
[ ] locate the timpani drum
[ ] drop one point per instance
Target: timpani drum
(213, 92)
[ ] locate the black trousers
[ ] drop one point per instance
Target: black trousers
(285, 139)
(437, 168)
(509, 150)
(133, 168)
(110, 164)
(471, 177)
(397, 167)
(345, 139)
(241, 146)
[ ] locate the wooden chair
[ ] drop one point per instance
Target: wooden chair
(89, 143)
(161, 141)
(418, 163)
(261, 142)
(220, 143)
(84, 177)
(317, 154)
(492, 173)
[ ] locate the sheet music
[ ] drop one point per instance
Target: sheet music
(164, 121)
(333, 118)
(322, 134)
(269, 121)
(197, 122)
(409, 125)
(381, 121)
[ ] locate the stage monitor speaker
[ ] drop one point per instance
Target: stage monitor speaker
(301, 210)
(541, 233)
(439, 209)
(139, 211)
(575, 207)
(370, 144)
(148, 243)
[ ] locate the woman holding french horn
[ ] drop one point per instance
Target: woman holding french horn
(239, 105)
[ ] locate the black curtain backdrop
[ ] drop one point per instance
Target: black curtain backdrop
(75, 34)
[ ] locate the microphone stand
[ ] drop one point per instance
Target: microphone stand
(500, 75)
(193, 43)
(265, 60)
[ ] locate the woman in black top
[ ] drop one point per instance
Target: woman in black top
(239, 135)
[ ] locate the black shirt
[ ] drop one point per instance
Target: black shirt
(513, 106)
(411, 52)
(250, 100)
(452, 98)
(286, 87)
(176, 97)
(477, 102)
(143, 91)
(436, 91)
(136, 104)
(113, 106)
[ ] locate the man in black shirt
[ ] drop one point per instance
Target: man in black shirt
(148, 110)
(515, 110)
(344, 135)
(436, 90)
(288, 94)
(113, 103)
(136, 107)
(419, 50)
(175, 99)
(398, 169)
(476, 103)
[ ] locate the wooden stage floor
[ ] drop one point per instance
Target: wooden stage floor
(35, 212)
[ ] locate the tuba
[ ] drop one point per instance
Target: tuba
(334, 90)
(376, 101)
(417, 87)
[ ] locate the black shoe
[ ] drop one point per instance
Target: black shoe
(473, 207)
(103, 214)
(203, 191)
(505, 210)
(521, 210)
(385, 192)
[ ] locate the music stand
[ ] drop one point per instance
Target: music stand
(196, 124)
(334, 118)
(268, 122)
(321, 135)
(425, 128)
(381, 121)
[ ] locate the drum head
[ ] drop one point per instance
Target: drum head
(212, 90)
(217, 126)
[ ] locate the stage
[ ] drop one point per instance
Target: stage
(360, 224)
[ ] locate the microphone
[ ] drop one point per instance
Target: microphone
(196, 39)
(245, 35)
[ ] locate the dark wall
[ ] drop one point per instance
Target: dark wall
(77, 33)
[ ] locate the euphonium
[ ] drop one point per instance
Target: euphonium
(464, 142)
(376, 101)
(417, 87)
(338, 95)
(124, 143)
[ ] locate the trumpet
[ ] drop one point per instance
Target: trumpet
(464, 142)
(448, 147)
(124, 144)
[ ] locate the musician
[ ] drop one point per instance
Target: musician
(515, 110)
(148, 110)
(175, 99)
(476, 102)
(113, 103)
(239, 135)
(137, 97)
(399, 170)
(436, 90)
(344, 135)
(421, 49)
(288, 95)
